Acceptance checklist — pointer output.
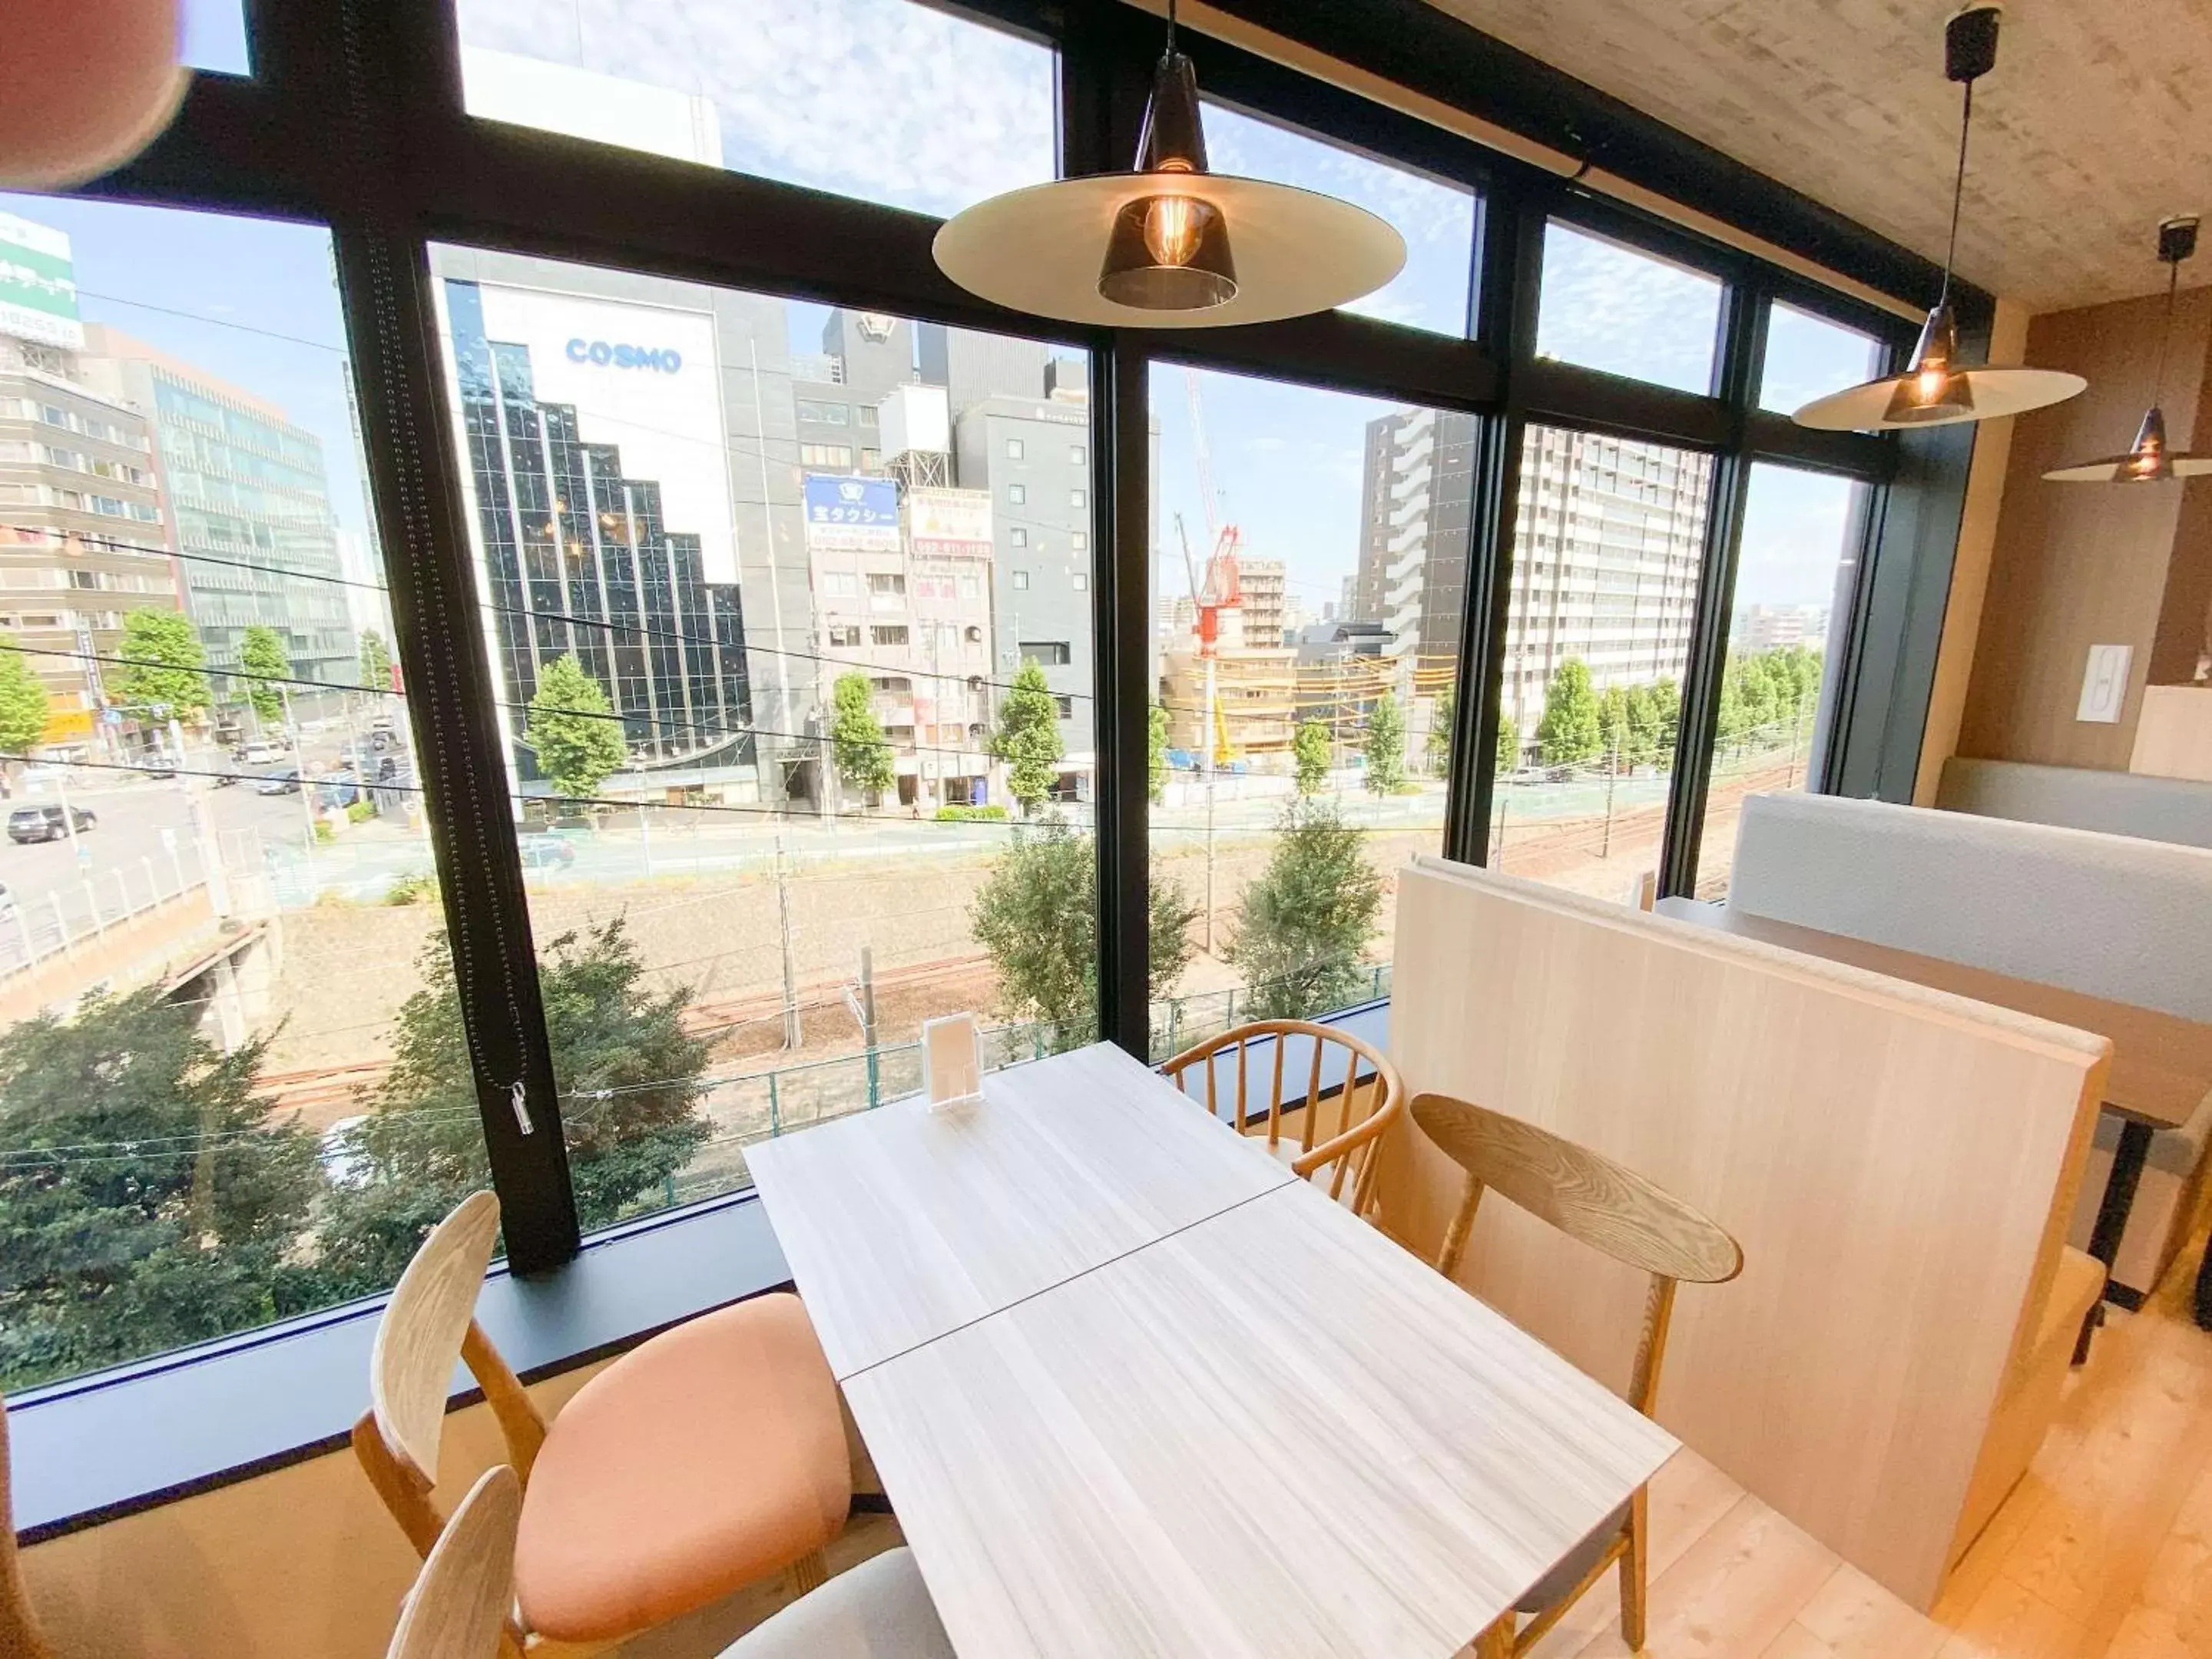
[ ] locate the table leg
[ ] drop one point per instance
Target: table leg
(2204, 1291)
(2128, 1159)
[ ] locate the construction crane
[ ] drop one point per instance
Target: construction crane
(1219, 591)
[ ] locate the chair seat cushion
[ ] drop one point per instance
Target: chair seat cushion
(878, 1610)
(710, 1456)
(1554, 1585)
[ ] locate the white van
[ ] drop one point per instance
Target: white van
(261, 754)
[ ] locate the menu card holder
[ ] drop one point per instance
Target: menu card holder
(951, 1061)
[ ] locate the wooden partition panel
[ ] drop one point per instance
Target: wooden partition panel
(1898, 1166)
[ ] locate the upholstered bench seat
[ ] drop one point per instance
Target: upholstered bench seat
(2167, 1198)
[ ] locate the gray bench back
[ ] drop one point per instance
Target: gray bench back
(2112, 916)
(2177, 810)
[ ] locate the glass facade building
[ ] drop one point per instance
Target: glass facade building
(579, 561)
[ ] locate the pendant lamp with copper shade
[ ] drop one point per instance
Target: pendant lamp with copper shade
(84, 86)
(1937, 388)
(2150, 459)
(1169, 244)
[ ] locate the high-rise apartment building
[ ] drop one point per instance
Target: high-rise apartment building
(1607, 549)
(1265, 610)
(245, 503)
(1416, 493)
(1765, 626)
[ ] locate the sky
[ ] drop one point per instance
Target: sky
(899, 103)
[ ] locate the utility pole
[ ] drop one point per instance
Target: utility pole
(792, 1036)
(868, 1018)
(1611, 773)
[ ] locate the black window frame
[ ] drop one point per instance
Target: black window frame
(353, 119)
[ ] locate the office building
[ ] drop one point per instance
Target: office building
(972, 366)
(1032, 456)
(603, 537)
(242, 485)
(83, 542)
(1264, 618)
(1765, 626)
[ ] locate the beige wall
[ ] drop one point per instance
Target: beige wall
(1969, 569)
(2077, 565)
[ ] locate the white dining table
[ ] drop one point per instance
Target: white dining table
(1134, 1391)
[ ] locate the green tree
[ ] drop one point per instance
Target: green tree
(1037, 915)
(1155, 755)
(1305, 919)
(1569, 733)
(1309, 749)
(1509, 744)
(858, 747)
(1441, 713)
(22, 701)
(164, 675)
(573, 731)
(148, 1198)
(376, 661)
(1028, 738)
(261, 654)
(1385, 746)
(1666, 719)
(629, 1079)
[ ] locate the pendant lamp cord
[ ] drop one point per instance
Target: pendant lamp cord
(1958, 194)
(2166, 331)
(1171, 21)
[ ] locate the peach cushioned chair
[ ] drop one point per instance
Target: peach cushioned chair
(879, 1609)
(710, 1456)
(1359, 1115)
(1609, 1208)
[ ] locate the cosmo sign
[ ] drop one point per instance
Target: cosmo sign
(857, 515)
(642, 378)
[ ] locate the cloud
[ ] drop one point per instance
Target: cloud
(1606, 307)
(878, 98)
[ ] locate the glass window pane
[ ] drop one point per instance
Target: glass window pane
(754, 709)
(1809, 356)
(1607, 306)
(883, 99)
(1436, 219)
(1303, 738)
(215, 36)
(219, 897)
(1795, 575)
(1607, 549)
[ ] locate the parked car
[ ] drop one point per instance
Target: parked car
(158, 765)
(7, 903)
(28, 824)
(279, 783)
(546, 853)
(261, 753)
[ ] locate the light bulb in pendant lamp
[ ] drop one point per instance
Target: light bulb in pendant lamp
(84, 86)
(1935, 388)
(1169, 244)
(2150, 458)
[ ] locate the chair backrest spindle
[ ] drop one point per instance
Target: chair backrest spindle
(1369, 1099)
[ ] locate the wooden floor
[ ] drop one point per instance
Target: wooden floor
(2103, 1551)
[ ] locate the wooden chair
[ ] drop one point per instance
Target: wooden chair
(710, 1456)
(19, 1631)
(458, 1607)
(1611, 1208)
(1369, 1107)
